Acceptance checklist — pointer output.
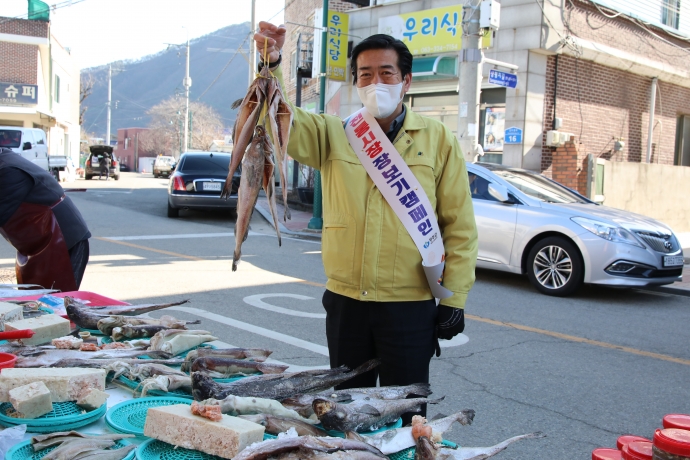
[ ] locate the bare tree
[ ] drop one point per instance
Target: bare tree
(85, 89)
(167, 121)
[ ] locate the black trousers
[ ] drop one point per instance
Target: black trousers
(400, 334)
(79, 257)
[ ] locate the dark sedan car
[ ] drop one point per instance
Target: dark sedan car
(197, 182)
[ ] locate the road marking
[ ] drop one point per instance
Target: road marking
(145, 248)
(572, 338)
(170, 237)
(319, 349)
(112, 257)
(460, 339)
(256, 301)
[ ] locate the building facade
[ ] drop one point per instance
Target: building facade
(39, 84)
(129, 150)
(584, 67)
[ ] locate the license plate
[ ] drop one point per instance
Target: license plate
(212, 186)
(673, 261)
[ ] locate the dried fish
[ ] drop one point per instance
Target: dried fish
(255, 354)
(69, 450)
(257, 172)
(221, 367)
(110, 454)
(274, 447)
(275, 425)
(175, 341)
(426, 450)
(127, 310)
(136, 332)
(50, 356)
(302, 403)
(366, 414)
(277, 386)
(391, 441)
(105, 363)
(165, 383)
(40, 442)
(106, 325)
(238, 405)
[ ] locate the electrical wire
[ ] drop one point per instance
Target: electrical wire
(226, 66)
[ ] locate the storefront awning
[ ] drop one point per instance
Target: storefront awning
(440, 66)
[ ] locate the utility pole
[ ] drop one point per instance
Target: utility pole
(316, 222)
(187, 82)
(252, 53)
(107, 129)
(470, 83)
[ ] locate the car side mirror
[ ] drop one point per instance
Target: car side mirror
(499, 192)
(26, 146)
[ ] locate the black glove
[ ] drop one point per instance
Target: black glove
(450, 321)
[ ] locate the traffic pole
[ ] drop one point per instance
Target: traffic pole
(470, 84)
(316, 222)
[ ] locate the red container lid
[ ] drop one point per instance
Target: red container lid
(637, 450)
(627, 439)
(674, 441)
(680, 421)
(606, 454)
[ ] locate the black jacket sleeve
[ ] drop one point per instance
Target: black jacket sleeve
(15, 186)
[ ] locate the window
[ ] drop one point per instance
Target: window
(670, 13)
(56, 90)
(479, 187)
(40, 136)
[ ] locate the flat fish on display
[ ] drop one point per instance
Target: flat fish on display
(277, 386)
(110, 454)
(365, 414)
(395, 440)
(254, 354)
(305, 445)
(51, 356)
(302, 403)
(106, 325)
(40, 442)
(426, 450)
(71, 449)
(221, 367)
(275, 425)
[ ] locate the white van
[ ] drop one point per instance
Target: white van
(31, 143)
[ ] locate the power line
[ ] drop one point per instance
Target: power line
(56, 6)
(226, 66)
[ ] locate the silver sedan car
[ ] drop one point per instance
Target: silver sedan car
(529, 224)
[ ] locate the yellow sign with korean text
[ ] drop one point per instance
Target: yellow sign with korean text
(338, 27)
(433, 31)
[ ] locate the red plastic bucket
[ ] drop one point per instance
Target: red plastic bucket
(7, 360)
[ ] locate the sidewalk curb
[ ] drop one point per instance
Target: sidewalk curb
(316, 236)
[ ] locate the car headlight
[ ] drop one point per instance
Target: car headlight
(608, 231)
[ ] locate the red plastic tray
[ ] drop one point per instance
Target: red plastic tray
(96, 300)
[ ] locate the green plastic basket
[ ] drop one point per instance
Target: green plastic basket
(25, 451)
(130, 416)
(133, 385)
(64, 414)
(159, 450)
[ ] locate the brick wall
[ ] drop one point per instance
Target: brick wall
(301, 12)
(18, 62)
(599, 104)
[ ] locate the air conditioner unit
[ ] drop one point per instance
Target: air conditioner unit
(557, 138)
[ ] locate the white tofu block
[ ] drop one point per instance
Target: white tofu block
(46, 328)
(92, 399)
(32, 400)
(65, 383)
(10, 312)
(177, 426)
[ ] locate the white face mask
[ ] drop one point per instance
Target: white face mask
(380, 99)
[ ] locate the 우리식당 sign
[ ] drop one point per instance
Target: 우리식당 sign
(438, 30)
(18, 93)
(336, 61)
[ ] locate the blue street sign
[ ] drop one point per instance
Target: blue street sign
(496, 77)
(513, 136)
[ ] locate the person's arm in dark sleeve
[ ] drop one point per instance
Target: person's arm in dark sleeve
(15, 186)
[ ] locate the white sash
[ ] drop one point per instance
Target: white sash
(402, 191)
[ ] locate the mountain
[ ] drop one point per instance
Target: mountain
(149, 80)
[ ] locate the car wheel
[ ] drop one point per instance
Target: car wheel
(173, 212)
(117, 177)
(88, 177)
(554, 267)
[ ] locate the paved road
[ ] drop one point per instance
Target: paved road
(583, 370)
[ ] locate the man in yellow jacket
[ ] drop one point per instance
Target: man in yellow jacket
(378, 301)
